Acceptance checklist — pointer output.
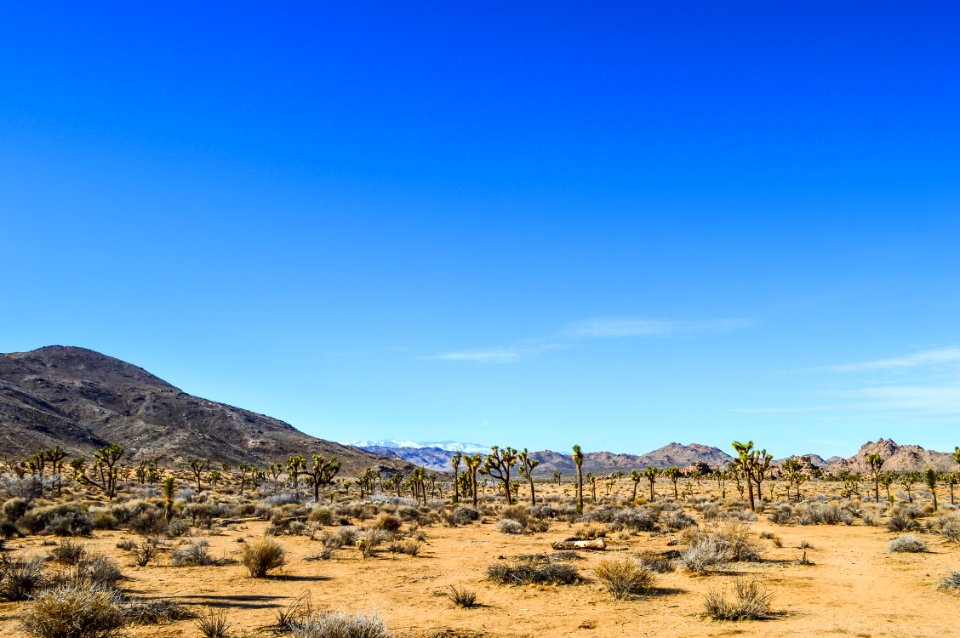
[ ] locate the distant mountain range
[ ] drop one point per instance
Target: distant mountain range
(83, 400)
(897, 458)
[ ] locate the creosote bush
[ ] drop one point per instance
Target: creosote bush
(749, 601)
(624, 577)
(262, 556)
(195, 554)
(907, 545)
(74, 611)
(20, 578)
(532, 573)
(334, 624)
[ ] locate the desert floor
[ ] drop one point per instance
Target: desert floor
(853, 588)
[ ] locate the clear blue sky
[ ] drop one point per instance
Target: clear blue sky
(527, 224)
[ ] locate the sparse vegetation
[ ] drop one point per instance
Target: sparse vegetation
(624, 577)
(748, 600)
(262, 557)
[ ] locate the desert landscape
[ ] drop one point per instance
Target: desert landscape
(106, 539)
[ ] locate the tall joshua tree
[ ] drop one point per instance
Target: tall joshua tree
(197, 466)
(578, 461)
(930, 478)
(56, 456)
(473, 466)
(455, 462)
(105, 461)
(875, 461)
(556, 476)
(761, 464)
(322, 473)
(169, 489)
(744, 461)
(673, 473)
(635, 476)
(886, 480)
(498, 464)
(527, 464)
(651, 474)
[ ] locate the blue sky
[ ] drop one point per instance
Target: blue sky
(519, 223)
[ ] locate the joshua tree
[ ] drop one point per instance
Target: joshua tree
(744, 463)
(951, 479)
(792, 467)
(275, 470)
(473, 466)
(592, 480)
(497, 465)
(525, 470)
(761, 463)
(556, 476)
(635, 476)
(907, 479)
(886, 480)
(243, 469)
(295, 465)
(322, 473)
(455, 462)
(651, 474)
(719, 476)
(105, 461)
(930, 478)
(417, 478)
(673, 473)
(875, 462)
(169, 489)
(197, 466)
(56, 456)
(578, 461)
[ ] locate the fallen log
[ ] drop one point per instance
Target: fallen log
(571, 543)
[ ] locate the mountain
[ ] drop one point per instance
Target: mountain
(438, 459)
(82, 400)
(444, 446)
(811, 461)
(896, 458)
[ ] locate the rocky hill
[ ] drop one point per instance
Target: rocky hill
(82, 400)
(896, 458)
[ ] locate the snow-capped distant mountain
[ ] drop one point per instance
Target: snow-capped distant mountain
(447, 446)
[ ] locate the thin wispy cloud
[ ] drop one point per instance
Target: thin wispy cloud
(924, 358)
(597, 328)
(613, 327)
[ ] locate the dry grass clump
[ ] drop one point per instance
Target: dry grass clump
(213, 624)
(387, 523)
(510, 526)
(624, 577)
(68, 552)
(263, 556)
(195, 554)
(728, 544)
(155, 612)
(533, 573)
(824, 514)
(750, 601)
(951, 582)
(907, 545)
(660, 563)
(333, 624)
(20, 578)
(410, 547)
(74, 611)
(463, 597)
(590, 532)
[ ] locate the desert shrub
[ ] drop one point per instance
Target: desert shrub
(742, 515)
(14, 508)
(781, 515)
(263, 556)
(20, 578)
(898, 522)
(74, 611)
(144, 551)
(750, 601)
(340, 537)
(907, 544)
(462, 597)
(59, 520)
(657, 562)
(679, 520)
(951, 582)
(824, 514)
(515, 512)
(333, 624)
(195, 554)
(155, 612)
(409, 547)
(526, 573)
(103, 519)
(590, 532)
(639, 519)
(321, 516)
(96, 570)
(213, 624)
(387, 523)
(465, 515)
(703, 554)
(149, 522)
(727, 544)
(624, 577)
(510, 526)
(68, 552)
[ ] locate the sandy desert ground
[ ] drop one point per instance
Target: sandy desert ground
(854, 586)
